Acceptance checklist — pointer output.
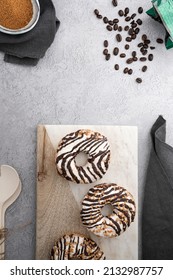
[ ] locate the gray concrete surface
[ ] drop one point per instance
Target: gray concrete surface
(73, 84)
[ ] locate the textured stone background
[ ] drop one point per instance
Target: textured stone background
(73, 84)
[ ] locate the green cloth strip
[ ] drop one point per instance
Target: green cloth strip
(163, 9)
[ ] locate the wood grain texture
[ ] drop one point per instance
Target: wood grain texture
(57, 210)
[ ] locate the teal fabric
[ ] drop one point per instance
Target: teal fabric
(162, 11)
(165, 11)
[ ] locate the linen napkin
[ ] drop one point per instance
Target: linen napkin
(157, 217)
(28, 48)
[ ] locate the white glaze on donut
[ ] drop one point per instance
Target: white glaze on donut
(92, 143)
(76, 247)
(123, 210)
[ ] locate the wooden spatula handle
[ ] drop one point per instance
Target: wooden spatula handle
(3, 235)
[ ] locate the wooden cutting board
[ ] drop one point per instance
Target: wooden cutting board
(59, 201)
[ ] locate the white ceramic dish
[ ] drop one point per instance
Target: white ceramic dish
(29, 26)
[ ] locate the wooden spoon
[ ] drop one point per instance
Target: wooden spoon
(10, 188)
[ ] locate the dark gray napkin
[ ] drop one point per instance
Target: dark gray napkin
(157, 217)
(28, 48)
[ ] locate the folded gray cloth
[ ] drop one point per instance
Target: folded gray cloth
(157, 217)
(28, 48)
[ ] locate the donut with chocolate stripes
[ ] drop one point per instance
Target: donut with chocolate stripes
(92, 143)
(118, 221)
(76, 247)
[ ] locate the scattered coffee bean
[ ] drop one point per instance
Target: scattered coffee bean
(137, 30)
(150, 57)
(130, 71)
(135, 58)
(139, 21)
(120, 28)
(133, 16)
(127, 18)
(142, 58)
(105, 20)
(133, 36)
(105, 51)
(126, 11)
(131, 31)
(144, 37)
(134, 25)
(96, 12)
(144, 52)
(144, 68)
(142, 49)
(133, 53)
(140, 10)
(139, 80)
(116, 67)
(129, 60)
(126, 70)
(128, 39)
(108, 56)
(119, 37)
(145, 46)
(116, 20)
(126, 28)
(159, 41)
(110, 22)
(140, 45)
(115, 51)
(116, 27)
(126, 46)
(121, 13)
(105, 43)
(122, 55)
(109, 28)
(147, 41)
(114, 3)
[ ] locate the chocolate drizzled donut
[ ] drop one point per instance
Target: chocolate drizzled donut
(76, 247)
(123, 210)
(92, 143)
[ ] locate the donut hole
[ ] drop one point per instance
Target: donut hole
(81, 159)
(107, 210)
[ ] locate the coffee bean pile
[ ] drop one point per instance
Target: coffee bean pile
(132, 27)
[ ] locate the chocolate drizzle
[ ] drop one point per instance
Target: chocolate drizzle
(76, 247)
(92, 143)
(123, 210)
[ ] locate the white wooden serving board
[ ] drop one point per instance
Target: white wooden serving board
(59, 201)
